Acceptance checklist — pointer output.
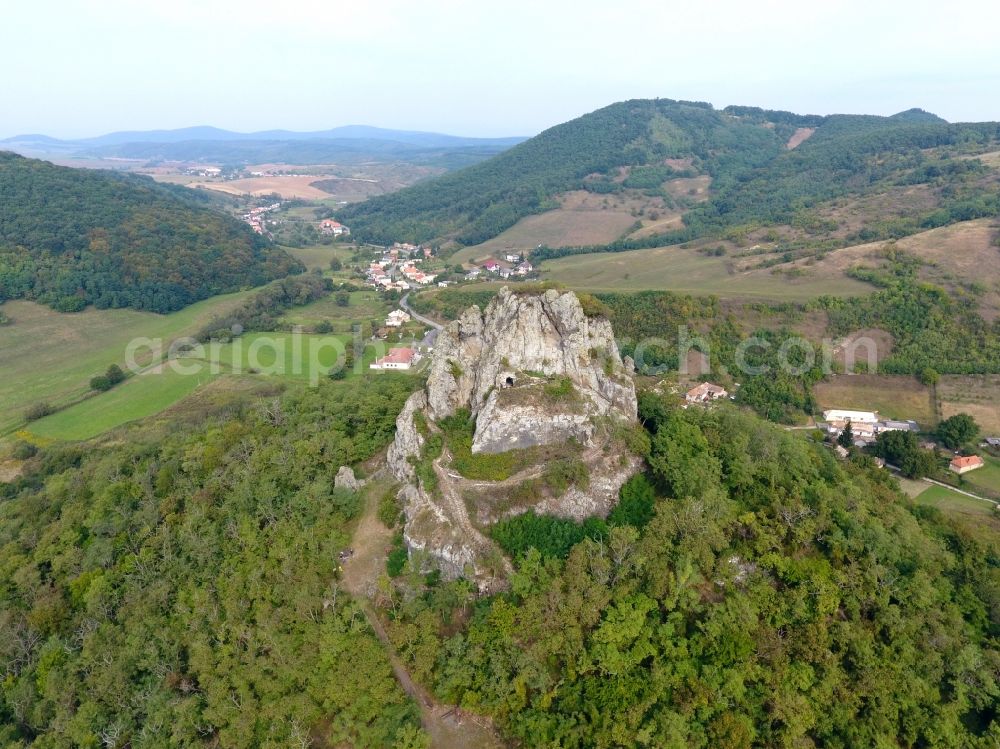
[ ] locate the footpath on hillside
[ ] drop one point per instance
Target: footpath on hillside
(448, 726)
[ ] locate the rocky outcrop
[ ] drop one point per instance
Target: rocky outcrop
(534, 371)
(547, 335)
(504, 425)
(408, 441)
(346, 479)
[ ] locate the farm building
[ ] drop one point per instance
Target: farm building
(705, 392)
(966, 463)
(397, 358)
(855, 417)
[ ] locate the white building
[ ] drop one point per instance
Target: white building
(855, 417)
(397, 358)
(396, 319)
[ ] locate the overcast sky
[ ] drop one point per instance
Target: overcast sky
(74, 68)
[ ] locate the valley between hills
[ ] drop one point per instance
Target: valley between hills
(541, 442)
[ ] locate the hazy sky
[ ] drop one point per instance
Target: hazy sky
(74, 68)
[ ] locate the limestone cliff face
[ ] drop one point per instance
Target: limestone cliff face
(547, 334)
(533, 370)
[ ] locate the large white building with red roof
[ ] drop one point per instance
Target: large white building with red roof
(397, 358)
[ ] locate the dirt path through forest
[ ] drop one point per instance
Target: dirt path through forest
(447, 726)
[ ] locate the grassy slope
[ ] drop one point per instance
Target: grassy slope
(687, 271)
(987, 477)
(364, 305)
(319, 256)
(58, 353)
(271, 354)
(976, 516)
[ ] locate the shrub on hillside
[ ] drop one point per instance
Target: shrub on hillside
(38, 411)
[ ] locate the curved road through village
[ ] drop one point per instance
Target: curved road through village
(404, 302)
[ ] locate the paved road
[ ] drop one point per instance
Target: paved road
(404, 302)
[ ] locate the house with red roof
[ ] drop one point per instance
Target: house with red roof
(965, 463)
(397, 358)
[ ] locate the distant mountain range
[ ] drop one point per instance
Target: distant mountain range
(350, 143)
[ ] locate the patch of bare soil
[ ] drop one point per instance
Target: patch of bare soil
(799, 137)
(856, 347)
(10, 470)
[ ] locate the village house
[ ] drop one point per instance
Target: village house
(416, 275)
(966, 463)
(396, 319)
(330, 227)
(397, 358)
(525, 268)
(491, 266)
(705, 392)
(512, 258)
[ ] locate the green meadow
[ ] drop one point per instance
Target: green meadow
(976, 515)
(362, 306)
(294, 357)
(48, 356)
(136, 398)
(987, 477)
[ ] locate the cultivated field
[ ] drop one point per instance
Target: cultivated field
(299, 186)
(688, 271)
(896, 397)
(976, 395)
(331, 183)
(583, 219)
(58, 353)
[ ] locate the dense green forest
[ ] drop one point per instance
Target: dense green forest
(178, 587)
(73, 237)
(755, 592)
(755, 180)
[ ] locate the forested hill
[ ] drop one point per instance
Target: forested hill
(73, 237)
(756, 177)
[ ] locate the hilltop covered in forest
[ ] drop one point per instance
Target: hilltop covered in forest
(73, 237)
(764, 168)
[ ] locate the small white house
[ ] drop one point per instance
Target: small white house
(396, 319)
